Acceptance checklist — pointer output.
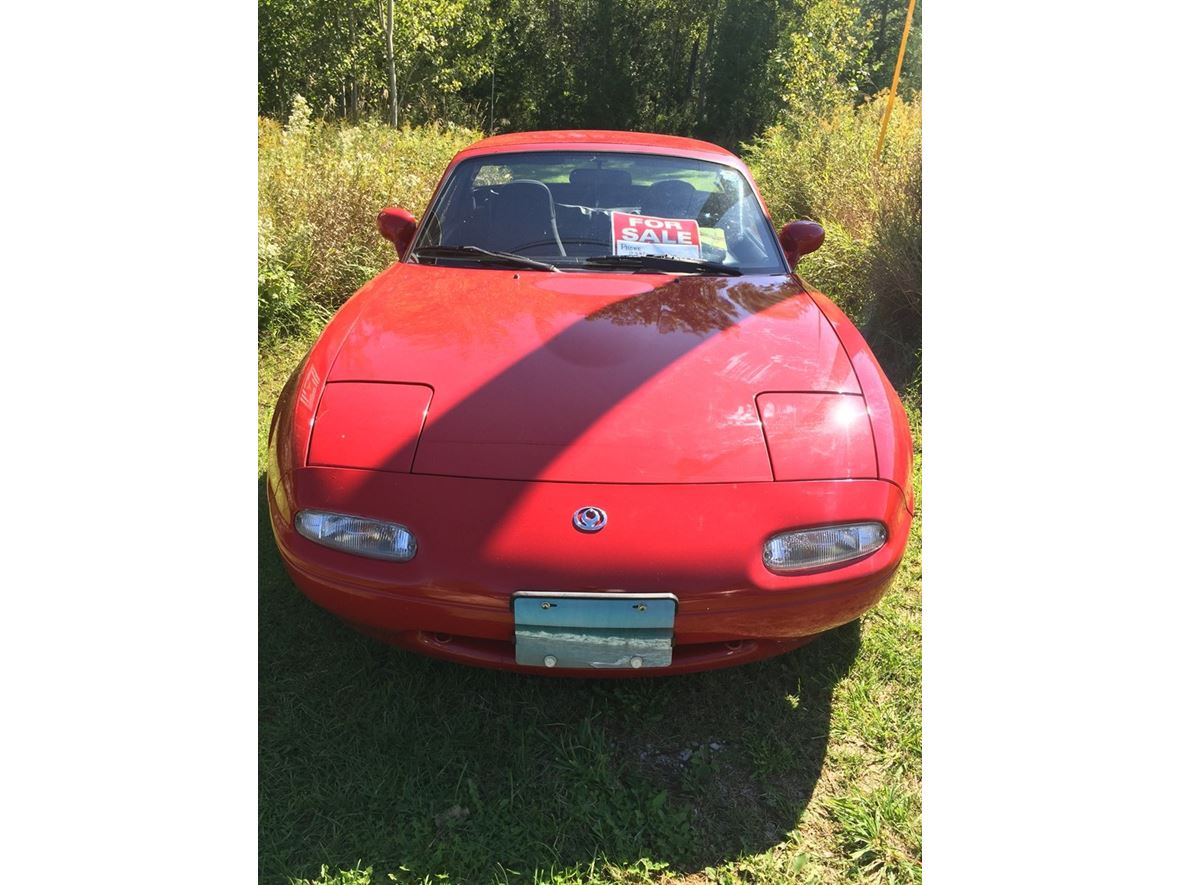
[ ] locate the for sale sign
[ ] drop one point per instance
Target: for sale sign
(649, 235)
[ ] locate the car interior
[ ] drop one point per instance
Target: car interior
(572, 218)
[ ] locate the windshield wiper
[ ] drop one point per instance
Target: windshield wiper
(662, 262)
(485, 255)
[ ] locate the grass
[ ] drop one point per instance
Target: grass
(376, 765)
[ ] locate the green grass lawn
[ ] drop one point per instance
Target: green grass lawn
(376, 765)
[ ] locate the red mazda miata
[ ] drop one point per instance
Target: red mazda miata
(592, 423)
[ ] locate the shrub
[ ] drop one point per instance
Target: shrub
(871, 261)
(320, 186)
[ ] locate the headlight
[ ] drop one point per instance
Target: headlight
(354, 534)
(789, 552)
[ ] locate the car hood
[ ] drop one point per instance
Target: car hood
(603, 377)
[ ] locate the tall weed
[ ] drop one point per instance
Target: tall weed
(824, 168)
(320, 186)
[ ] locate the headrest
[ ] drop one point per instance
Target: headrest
(601, 177)
(524, 194)
(673, 190)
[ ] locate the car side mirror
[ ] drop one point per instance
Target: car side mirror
(799, 238)
(398, 226)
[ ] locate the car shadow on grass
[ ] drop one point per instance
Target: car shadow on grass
(421, 767)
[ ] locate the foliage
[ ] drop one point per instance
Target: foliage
(332, 52)
(886, 19)
(440, 46)
(320, 186)
(821, 63)
(719, 70)
(825, 168)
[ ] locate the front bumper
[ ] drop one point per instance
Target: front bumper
(480, 541)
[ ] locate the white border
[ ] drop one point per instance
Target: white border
(128, 642)
(1050, 449)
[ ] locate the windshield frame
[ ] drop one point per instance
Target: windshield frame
(467, 168)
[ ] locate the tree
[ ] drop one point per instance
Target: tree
(717, 69)
(387, 7)
(823, 61)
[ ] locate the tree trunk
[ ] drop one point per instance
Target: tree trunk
(350, 97)
(387, 16)
(879, 48)
(692, 70)
(706, 66)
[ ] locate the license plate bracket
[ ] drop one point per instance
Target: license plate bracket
(593, 631)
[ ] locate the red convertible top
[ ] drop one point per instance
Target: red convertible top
(600, 139)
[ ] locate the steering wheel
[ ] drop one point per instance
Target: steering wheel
(542, 242)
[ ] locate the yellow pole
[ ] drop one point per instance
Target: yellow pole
(905, 34)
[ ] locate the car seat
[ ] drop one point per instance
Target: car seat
(521, 219)
(671, 198)
(601, 188)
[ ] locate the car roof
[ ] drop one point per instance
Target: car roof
(599, 140)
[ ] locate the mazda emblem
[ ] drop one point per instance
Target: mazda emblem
(589, 519)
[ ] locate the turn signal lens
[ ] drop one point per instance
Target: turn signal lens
(354, 534)
(820, 548)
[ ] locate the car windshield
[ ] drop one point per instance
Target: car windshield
(577, 210)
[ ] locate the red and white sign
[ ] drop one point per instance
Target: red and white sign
(648, 235)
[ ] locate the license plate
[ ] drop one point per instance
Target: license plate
(594, 631)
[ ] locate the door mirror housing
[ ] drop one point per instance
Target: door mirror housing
(799, 238)
(398, 226)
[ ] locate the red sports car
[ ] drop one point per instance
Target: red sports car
(592, 423)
